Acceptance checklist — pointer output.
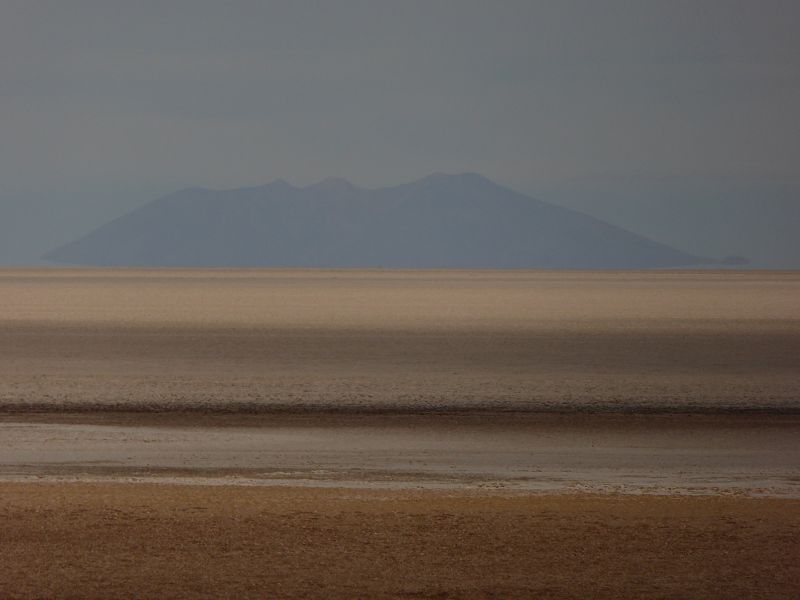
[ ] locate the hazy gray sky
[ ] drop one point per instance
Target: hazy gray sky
(231, 93)
(118, 98)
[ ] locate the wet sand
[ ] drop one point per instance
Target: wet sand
(654, 454)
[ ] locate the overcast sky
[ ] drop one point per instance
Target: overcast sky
(114, 99)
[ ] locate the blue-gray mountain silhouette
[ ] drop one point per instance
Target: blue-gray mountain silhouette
(441, 221)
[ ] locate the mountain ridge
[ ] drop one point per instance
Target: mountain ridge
(439, 221)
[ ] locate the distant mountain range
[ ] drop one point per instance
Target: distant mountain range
(440, 221)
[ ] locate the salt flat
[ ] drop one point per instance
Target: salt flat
(665, 381)
(261, 341)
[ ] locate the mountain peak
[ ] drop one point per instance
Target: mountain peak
(332, 184)
(467, 178)
(282, 183)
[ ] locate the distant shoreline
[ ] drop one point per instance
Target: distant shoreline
(174, 412)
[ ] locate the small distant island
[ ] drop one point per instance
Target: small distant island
(735, 261)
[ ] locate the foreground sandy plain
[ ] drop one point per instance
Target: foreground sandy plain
(148, 541)
(399, 434)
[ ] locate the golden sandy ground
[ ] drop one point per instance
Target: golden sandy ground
(121, 540)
